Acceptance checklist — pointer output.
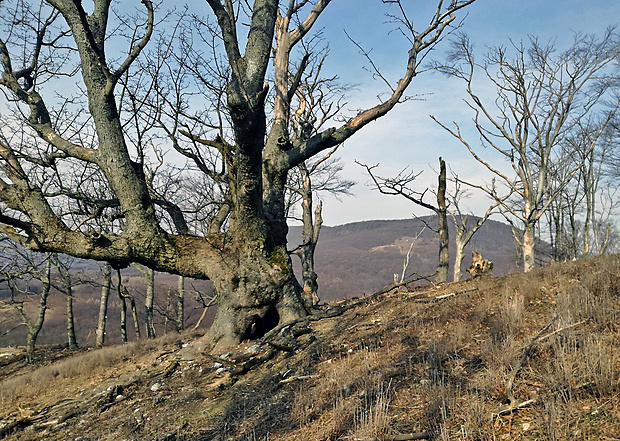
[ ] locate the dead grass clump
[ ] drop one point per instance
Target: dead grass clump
(349, 395)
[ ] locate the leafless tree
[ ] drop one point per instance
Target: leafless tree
(18, 268)
(39, 49)
(318, 100)
(149, 277)
(541, 97)
(106, 285)
(401, 185)
(65, 285)
(464, 233)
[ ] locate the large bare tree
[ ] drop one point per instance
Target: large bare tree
(246, 257)
(541, 96)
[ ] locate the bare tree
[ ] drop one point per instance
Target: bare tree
(103, 303)
(65, 286)
(256, 286)
(180, 316)
(149, 277)
(19, 266)
(401, 186)
(541, 97)
(464, 233)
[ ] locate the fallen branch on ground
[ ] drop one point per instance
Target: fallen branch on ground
(541, 336)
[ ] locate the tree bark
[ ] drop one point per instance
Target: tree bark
(180, 304)
(148, 303)
(529, 249)
(71, 338)
(103, 304)
(442, 226)
(119, 292)
(459, 255)
(149, 277)
(134, 313)
(312, 223)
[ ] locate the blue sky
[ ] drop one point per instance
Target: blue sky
(407, 136)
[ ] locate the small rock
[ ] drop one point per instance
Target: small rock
(225, 356)
(120, 397)
(253, 348)
(157, 400)
(217, 365)
(155, 387)
(223, 369)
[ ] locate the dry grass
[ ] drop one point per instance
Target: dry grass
(401, 364)
(32, 387)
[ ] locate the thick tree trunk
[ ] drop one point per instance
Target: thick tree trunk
(459, 255)
(103, 304)
(254, 296)
(442, 226)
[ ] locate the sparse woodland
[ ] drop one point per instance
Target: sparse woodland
(151, 160)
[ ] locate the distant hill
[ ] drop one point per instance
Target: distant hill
(362, 257)
(352, 260)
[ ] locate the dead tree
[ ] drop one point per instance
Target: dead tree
(401, 186)
(464, 233)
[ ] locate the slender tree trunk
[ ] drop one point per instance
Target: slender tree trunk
(442, 226)
(149, 277)
(180, 304)
(103, 303)
(148, 303)
(72, 341)
(119, 292)
(310, 237)
(33, 330)
(134, 312)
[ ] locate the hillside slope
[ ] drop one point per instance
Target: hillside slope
(519, 357)
(362, 257)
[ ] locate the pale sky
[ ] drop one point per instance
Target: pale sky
(407, 136)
